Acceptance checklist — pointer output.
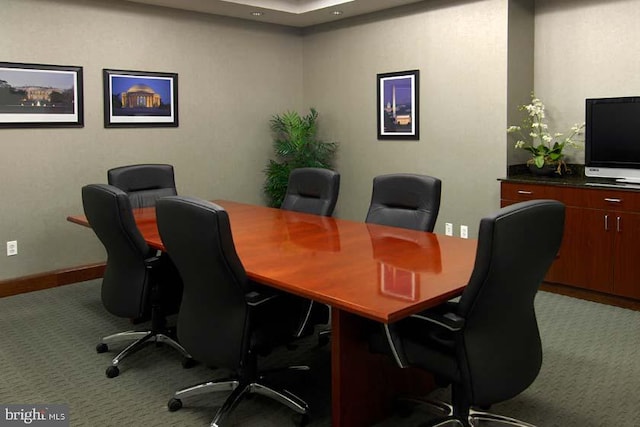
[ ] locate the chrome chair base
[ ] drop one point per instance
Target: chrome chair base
(140, 339)
(474, 417)
(239, 389)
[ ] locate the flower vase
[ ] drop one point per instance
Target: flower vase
(548, 169)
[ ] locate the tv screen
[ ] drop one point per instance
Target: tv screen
(612, 138)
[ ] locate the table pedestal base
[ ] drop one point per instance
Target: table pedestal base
(363, 384)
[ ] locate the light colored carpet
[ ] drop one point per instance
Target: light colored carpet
(590, 374)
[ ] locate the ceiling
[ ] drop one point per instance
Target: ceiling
(294, 13)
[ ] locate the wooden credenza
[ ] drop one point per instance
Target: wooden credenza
(601, 244)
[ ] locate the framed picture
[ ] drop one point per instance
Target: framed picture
(140, 99)
(36, 95)
(398, 105)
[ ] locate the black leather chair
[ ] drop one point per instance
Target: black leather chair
(405, 200)
(313, 191)
(487, 345)
(225, 320)
(135, 281)
(144, 183)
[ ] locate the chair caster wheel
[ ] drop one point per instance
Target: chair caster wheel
(112, 372)
(174, 404)
(188, 362)
(102, 348)
(300, 420)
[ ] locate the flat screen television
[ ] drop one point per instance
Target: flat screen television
(612, 138)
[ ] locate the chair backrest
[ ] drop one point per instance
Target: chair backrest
(212, 320)
(125, 281)
(312, 190)
(502, 351)
(405, 200)
(144, 183)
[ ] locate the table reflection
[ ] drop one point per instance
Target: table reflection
(315, 232)
(399, 274)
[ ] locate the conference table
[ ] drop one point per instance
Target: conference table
(365, 272)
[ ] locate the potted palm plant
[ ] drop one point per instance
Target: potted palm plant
(295, 145)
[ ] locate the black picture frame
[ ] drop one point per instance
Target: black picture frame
(40, 95)
(140, 98)
(398, 105)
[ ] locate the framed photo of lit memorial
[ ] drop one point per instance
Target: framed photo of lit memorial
(37, 95)
(140, 99)
(398, 105)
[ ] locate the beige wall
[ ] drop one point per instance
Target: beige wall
(520, 69)
(233, 76)
(475, 62)
(460, 49)
(585, 49)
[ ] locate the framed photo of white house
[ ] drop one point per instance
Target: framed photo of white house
(140, 99)
(37, 95)
(398, 105)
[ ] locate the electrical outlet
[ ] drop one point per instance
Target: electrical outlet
(464, 231)
(12, 248)
(448, 229)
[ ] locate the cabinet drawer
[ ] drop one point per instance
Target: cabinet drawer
(521, 192)
(612, 200)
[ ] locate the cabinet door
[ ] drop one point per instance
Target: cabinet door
(626, 270)
(584, 259)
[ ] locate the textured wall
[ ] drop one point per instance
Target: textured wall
(520, 69)
(233, 75)
(475, 62)
(585, 49)
(460, 49)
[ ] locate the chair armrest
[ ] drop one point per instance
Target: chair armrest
(152, 261)
(449, 321)
(395, 344)
(255, 298)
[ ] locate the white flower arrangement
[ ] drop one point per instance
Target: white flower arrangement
(534, 136)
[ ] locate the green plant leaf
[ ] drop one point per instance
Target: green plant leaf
(539, 161)
(295, 145)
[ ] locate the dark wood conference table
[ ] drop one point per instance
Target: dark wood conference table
(364, 271)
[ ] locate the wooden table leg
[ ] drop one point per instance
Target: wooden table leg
(363, 384)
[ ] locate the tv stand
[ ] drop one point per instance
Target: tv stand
(600, 249)
(613, 184)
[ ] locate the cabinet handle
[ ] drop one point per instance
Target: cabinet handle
(608, 199)
(606, 223)
(618, 222)
(525, 192)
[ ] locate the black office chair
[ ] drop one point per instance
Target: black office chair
(313, 191)
(405, 200)
(135, 281)
(487, 346)
(225, 320)
(402, 200)
(144, 183)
